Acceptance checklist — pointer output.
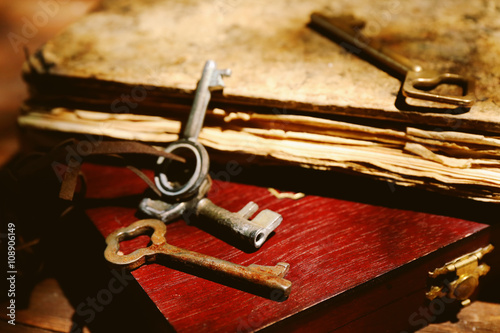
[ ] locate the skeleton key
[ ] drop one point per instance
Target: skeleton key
(188, 145)
(254, 231)
(267, 278)
(187, 196)
(417, 80)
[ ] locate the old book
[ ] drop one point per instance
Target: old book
(355, 267)
(460, 164)
(129, 70)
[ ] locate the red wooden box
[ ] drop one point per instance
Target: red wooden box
(354, 266)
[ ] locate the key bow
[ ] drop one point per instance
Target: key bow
(139, 256)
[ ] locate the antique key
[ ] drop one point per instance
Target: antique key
(253, 231)
(188, 145)
(183, 188)
(269, 279)
(417, 80)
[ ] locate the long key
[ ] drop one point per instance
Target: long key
(417, 80)
(188, 146)
(253, 231)
(270, 279)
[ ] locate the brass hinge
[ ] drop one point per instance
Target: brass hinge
(467, 269)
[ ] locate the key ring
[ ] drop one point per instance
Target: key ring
(196, 158)
(188, 146)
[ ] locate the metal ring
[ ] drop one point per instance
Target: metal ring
(192, 185)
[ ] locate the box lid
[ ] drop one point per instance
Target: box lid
(333, 246)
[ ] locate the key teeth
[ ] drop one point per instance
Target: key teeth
(225, 72)
(285, 267)
(249, 209)
(216, 81)
(268, 219)
(161, 210)
(279, 270)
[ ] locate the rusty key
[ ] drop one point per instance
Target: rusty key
(269, 278)
(417, 80)
(254, 232)
(184, 186)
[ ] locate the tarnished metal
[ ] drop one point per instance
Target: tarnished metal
(211, 80)
(183, 186)
(467, 269)
(417, 81)
(168, 212)
(253, 231)
(269, 278)
(188, 146)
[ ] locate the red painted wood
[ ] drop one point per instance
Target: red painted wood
(332, 246)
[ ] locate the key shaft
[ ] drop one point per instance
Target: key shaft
(188, 145)
(237, 272)
(418, 82)
(253, 231)
(337, 28)
(211, 79)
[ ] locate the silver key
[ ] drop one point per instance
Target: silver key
(188, 146)
(268, 279)
(186, 195)
(254, 231)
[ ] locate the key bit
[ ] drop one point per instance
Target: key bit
(170, 211)
(268, 278)
(254, 231)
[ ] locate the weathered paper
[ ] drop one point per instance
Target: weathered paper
(308, 142)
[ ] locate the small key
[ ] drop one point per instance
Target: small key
(190, 175)
(185, 195)
(417, 80)
(267, 278)
(253, 231)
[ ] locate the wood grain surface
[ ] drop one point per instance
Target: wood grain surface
(478, 317)
(332, 245)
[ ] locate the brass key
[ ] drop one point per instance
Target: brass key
(417, 80)
(265, 278)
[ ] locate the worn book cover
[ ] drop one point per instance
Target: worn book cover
(129, 71)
